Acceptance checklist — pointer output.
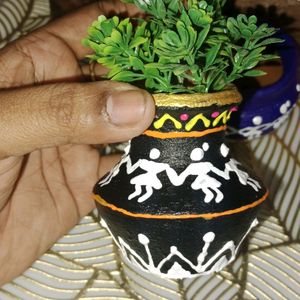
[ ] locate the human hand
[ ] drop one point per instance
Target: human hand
(48, 119)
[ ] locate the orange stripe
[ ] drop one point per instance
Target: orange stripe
(185, 216)
(172, 135)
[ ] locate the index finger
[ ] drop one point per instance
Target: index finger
(72, 28)
(51, 53)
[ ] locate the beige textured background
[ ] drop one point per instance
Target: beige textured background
(85, 264)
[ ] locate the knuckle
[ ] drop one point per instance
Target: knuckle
(62, 106)
(76, 109)
(92, 104)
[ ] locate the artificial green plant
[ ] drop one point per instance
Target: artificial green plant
(180, 47)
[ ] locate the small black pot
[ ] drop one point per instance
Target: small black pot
(177, 204)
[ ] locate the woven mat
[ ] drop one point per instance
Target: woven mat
(85, 264)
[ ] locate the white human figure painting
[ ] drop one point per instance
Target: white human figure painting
(116, 169)
(232, 166)
(149, 180)
(203, 181)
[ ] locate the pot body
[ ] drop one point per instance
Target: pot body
(178, 204)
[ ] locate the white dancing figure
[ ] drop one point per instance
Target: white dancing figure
(149, 179)
(232, 166)
(116, 169)
(203, 181)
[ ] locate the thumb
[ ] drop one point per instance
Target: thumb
(77, 113)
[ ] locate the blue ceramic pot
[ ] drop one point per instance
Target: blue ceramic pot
(267, 108)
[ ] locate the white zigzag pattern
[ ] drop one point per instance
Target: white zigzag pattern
(216, 263)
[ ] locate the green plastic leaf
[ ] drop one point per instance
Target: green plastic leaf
(254, 73)
(128, 34)
(95, 46)
(252, 19)
(151, 71)
(192, 36)
(219, 81)
(161, 9)
(170, 37)
(142, 4)
(150, 84)
(140, 30)
(109, 41)
(180, 69)
(211, 55)
(194, 15)
(158, 66)
(137, 41)
(241, 20)
(246, 33)
(174, 6)
(107, 26)
(92, 57)
(183, 32)
(202, 36)
(126, 76)
(85, 42)
(240, 55)
(136, 63)
(199, 17)
(269, 41)
(116, 36)
(257, 51)
(202, 4)
(110, 50)
(185, 18)
(114, 71)
(109, 62)
(95, 34)
(101, 18)
(233, 28)
(269, 57)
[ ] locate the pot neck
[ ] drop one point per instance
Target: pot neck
(199, 100)
(190, 121)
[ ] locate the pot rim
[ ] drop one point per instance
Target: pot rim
(228, 96)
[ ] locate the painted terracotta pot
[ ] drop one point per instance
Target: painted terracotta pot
(178, 204)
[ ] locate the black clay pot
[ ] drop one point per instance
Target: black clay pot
(178, 204)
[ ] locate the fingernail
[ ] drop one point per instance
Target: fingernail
(126, 107)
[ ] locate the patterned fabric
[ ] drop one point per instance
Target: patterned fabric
(20, 17)
(85, 264)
